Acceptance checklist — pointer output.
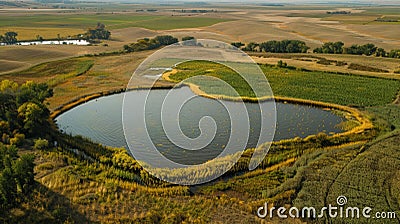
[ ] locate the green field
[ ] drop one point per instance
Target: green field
(383, 10)
(53, 73)
(112, 21)
(319, 86)
(333, 88)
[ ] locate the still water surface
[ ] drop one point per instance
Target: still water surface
(101, 121)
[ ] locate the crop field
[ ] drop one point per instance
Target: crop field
(50, 25)
(318, 86)
(203, 74)
(333, 88)
(383, 10)
(333, 63)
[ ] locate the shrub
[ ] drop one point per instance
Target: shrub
(366, 68)
(18, 139)
(41, 144)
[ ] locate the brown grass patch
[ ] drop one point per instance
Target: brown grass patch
(366, 68)
(29, 33)
(6, 65)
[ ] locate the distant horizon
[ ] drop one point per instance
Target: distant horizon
(291, 2)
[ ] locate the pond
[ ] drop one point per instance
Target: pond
(101, 121)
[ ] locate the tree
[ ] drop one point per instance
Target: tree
(23, 171)
(338, 47)
(18, 139)
(7, 106)
(189, 41)
(237, 44)
(23, 107)
(394, 54)
(166, 40)
(33, 92)
(281, 64)
(330, 48)
(99, 33)
(366, 49)
(284, 46)
(33, 117)
(8, 188)
(187, 38)
(127, 48)
(9, 37)
(41, 144)
(39, 38)
(252, 46)
(380, 52)
(16, 176)
(353, 49)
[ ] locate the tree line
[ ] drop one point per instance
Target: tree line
(153, 43)
(16, 176)
(22, 114)
(297, 46)
(355, 49)
(22, 111)
(274, 46)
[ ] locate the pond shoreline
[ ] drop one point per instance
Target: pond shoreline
(364, 122)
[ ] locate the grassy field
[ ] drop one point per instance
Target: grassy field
(318, 86)
(50, 25)
(6, 65)
(383, 10)
(29, 33)
(53, 73)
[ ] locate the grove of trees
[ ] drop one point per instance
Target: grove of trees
(149, 44)
(16, 176)
(99, 33)
(284, 46)
(274, 46)
(365, 49)
(330, 48)
(297, 46)
(22, 114)
(22, 111)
